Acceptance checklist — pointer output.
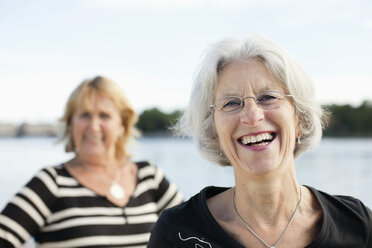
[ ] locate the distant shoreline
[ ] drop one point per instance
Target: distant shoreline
(56, 130)
(27, 130)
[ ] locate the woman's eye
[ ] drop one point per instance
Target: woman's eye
(266, 98)
(85, 115)
(104, 116)
(230, 103)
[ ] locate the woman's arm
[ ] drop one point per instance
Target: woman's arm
(27, 212)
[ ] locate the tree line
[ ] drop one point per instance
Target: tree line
(347, 121)
(153, 121)
(342, 121)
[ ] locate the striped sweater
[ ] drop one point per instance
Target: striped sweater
(57, 211)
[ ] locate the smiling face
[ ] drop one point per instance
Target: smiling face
(256, 140)
(96, 128)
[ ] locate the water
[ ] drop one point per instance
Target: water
(338, 166)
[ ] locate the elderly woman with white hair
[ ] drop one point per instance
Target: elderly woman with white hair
(253, 107)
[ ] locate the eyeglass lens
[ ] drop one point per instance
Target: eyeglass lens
(264, 100)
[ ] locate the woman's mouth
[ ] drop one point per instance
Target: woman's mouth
(93, 138)
(257, 140)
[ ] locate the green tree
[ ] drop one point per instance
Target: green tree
(155, 121)
(346, 120)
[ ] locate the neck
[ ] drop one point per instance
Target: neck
(256, 235)
(269, 202)
(99, 164)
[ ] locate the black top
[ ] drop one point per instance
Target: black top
(347, 222)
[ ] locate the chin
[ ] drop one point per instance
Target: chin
(260, 168)
(263, 171)
(91, 154)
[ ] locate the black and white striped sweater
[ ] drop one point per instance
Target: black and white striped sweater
(57, 211)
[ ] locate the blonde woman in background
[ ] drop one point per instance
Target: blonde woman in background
(100, 198)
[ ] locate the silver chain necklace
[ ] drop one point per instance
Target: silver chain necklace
(256, 235)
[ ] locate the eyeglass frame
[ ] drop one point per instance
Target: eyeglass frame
(242, 100)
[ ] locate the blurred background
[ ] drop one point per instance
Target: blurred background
(151, 48)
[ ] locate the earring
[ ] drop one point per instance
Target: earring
(298, 140)
(220, 152)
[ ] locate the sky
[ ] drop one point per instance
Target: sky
(151, 48)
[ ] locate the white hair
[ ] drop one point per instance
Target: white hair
(197, 120)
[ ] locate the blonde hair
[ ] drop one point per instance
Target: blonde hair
(83, 94)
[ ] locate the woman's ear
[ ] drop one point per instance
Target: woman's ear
(298, 124)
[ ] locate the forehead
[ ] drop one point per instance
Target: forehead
(95, 101)
(245, 78)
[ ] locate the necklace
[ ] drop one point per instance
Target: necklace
(116, 190)
(256, 235)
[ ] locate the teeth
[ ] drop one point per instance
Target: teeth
(266, 137)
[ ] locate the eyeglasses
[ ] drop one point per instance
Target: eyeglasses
(265, 100)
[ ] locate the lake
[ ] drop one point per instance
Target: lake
(338, 166)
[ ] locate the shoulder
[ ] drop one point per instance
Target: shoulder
(146, 169)
(47, 175)
(190, 219)
(344, 214)
(149, 173)
(171, 222)
(143, 164)
(335, 204)
(50, 180)
(53, 170)
(153, 184)
(192, 211)
(55, 173)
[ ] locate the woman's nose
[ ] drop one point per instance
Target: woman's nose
(251, 114)
(94, 124)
